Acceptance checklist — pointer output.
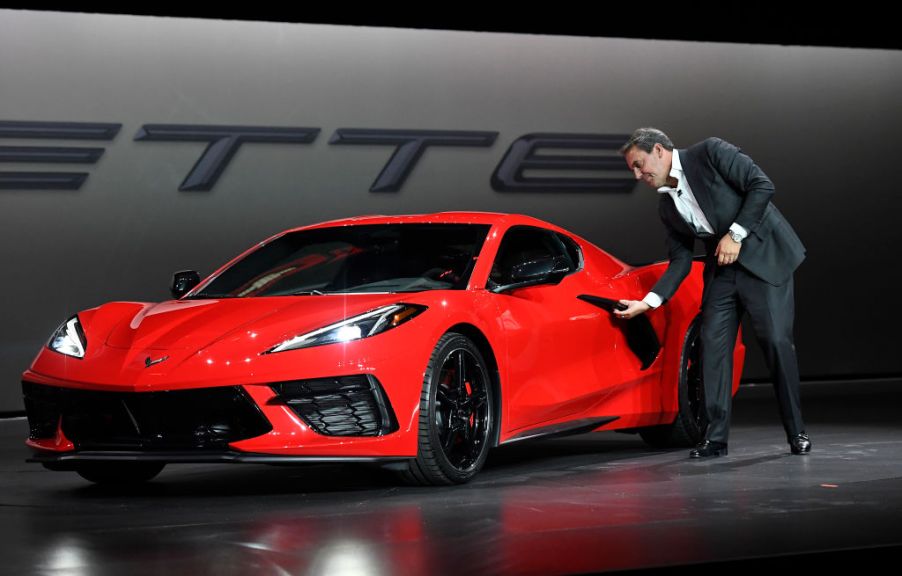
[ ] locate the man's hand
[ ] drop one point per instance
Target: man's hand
(633, 309)
(727, 251)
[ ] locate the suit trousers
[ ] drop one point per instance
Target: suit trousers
(732, 292)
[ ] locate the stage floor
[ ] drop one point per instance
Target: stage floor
(584, 504)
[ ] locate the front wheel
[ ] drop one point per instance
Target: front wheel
(688, 428)
(119, 472)
(456, 408)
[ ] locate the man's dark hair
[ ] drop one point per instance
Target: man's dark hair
(645, 139)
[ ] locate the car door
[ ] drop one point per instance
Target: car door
(562, 352)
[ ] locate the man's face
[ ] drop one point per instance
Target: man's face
(652, 168)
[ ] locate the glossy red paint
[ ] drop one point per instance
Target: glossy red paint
(559, 359)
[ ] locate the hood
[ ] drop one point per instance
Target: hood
(196, 324)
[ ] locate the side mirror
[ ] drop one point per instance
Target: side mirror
(532, 270)
(183, 282)
(544, 270)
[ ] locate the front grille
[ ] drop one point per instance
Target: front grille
(340, 406)
(207, 418)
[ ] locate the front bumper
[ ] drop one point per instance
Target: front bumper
(351, 423)
(324, 419)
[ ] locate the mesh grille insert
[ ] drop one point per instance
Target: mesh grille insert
(180, 419)
(339, 406)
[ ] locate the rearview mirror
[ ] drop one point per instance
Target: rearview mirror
(544, 270)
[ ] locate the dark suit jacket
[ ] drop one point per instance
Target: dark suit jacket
(729, 187)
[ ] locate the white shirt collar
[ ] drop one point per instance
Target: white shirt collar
(676, 171)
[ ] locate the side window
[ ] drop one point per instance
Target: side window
(573, 250)
(523, 244)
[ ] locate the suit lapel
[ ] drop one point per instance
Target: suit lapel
(699, 184)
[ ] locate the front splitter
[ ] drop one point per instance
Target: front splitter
(70, 460)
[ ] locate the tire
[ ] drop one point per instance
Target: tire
(688, 428)
(119, 472)
(456, 415)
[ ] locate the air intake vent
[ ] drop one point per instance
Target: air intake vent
(181, 419)
(340, 406)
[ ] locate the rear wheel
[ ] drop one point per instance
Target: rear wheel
(119, 472)
(688, 428)
(455, 423)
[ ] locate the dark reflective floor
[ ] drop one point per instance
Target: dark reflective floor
(590, 503)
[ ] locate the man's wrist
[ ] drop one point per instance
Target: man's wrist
(738, 233)
(653, 300)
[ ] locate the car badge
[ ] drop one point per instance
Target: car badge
(148, 362)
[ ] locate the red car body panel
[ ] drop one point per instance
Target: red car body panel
(559, 359)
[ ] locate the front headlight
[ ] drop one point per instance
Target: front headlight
(362, 326)
(69, 339)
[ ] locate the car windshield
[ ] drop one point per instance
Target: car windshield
(364, 258)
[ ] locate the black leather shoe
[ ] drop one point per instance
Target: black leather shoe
(708, 448)
(800, 444)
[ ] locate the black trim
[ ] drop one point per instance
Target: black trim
(563, 429)
(354, 405)
(68, 460)
(640, 334)
(198, 418)
(606, 303)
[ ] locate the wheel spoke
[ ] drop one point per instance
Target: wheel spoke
(448, 439)
(461, 375)
(478, 400)
(455, 430)
(461, 408)
(446, 401)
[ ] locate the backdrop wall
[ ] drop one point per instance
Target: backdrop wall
(820, 121)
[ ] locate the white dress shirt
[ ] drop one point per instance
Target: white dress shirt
(691, 212)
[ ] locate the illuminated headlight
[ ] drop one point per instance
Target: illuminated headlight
(69, 339)
(362, 326)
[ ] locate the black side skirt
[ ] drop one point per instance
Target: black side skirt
(563, 429)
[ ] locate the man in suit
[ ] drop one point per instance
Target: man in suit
(713, 192)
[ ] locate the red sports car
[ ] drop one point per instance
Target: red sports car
(418, 342)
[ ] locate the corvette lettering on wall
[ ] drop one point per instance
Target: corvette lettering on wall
(510, 174)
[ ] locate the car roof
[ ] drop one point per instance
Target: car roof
(436, 218)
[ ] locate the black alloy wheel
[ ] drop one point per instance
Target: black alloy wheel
(688, 428)
(456, 414)
(691, 381)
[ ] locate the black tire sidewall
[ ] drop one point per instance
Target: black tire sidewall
(446, 346)
(692, 430)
